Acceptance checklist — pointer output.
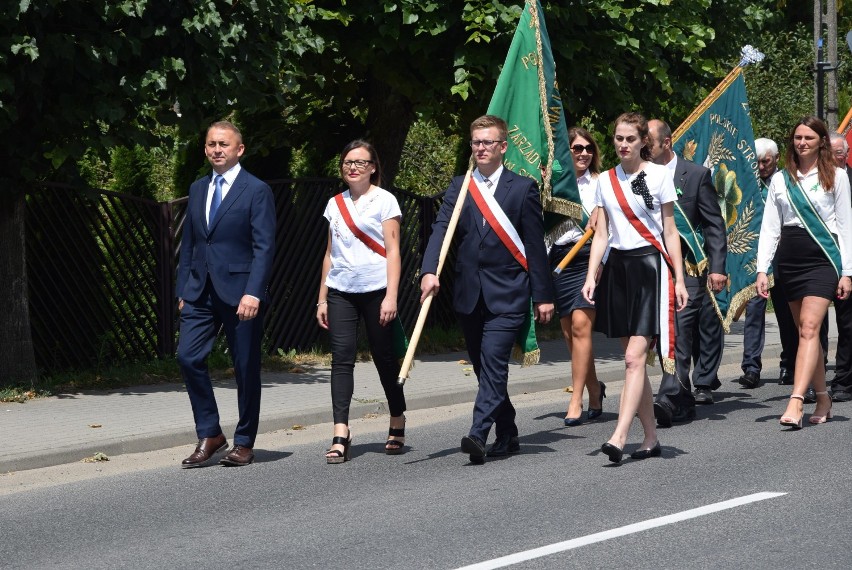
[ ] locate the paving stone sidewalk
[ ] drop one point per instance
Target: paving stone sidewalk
(60, 429)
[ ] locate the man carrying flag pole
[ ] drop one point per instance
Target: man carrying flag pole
(501, 264)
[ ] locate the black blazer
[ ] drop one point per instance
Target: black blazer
(483, 264)
(700, 204)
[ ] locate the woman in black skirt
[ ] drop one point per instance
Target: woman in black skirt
(807, 229)
(642, 282)
(576, 315)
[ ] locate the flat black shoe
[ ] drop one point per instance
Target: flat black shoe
(703, 396)
(684, 415)
(749, 380)
(474, 448)
(504, 445)
(655, 451)
(663, 414)
(612, 452)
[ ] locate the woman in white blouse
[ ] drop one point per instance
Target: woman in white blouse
(642, 282)
(807, 230)
(576, 315)
(360, 279)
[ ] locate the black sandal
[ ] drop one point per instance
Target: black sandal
(395, 446)
(340, 456)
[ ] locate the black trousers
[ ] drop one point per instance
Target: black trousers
(697, 325)
(843, 354)
(345, 310)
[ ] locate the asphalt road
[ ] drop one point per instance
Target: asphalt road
(430, 508)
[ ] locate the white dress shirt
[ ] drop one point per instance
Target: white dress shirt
(834, 208)
(229, 177)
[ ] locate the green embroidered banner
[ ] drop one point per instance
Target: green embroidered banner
(527, 98)
(719, 135)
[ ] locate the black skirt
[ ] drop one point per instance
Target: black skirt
(627, 297)
(801, 267)
(568, 285)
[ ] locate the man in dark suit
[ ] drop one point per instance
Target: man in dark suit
(492, 287)
(225, 262)
(698, 201)
(841, 385)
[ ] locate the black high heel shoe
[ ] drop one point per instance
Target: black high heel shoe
(594, 413)
(334, 456)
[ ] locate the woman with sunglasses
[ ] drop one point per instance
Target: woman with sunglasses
(576, 315)
(360, 279)
(807, 230)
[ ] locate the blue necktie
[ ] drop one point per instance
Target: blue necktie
(217, 199)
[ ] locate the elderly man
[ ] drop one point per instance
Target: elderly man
(841, 385)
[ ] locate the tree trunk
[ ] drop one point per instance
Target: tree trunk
(17, 357)
(389, 118)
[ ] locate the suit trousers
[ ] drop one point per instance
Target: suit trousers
(843, 353)
(754, 335)
(675, 389)
(199, 324)
(345, 311)
(489, 338)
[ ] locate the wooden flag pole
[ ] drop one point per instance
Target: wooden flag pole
(424, 308)
(573, 253)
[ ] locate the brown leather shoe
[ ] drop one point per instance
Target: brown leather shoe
(239, 456)
(205, 452)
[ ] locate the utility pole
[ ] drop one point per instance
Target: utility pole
(825, 47)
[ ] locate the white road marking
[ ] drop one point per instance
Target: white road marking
(504, 561)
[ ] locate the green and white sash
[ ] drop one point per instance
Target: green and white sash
(813, 222)
(695, 260)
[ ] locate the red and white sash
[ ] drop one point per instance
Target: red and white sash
(496, 218)
(667, 307)
(358, 228)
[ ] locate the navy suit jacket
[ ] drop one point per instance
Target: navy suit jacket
(483, 264)
(237, 251)
(700, 204)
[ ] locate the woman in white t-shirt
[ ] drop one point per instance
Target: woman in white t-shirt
(576, 315)
(360, 279)
(635, 298)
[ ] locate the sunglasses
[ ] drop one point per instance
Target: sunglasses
(578, 148)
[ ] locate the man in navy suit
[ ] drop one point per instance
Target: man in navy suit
(501, 263)
(225, 262)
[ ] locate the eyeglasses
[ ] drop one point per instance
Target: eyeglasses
(359, 164)
(841, 152)
(486, 144)
(578, 148)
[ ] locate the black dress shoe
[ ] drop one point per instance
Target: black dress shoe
(663, 413)
(749, 380)
(612, 452)
(684, 414)
(474, 448)
(703, 395)
(785, 378)
(810, 395)
(655, 451)
(841, 395)
(504, 445)
(206, 452)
